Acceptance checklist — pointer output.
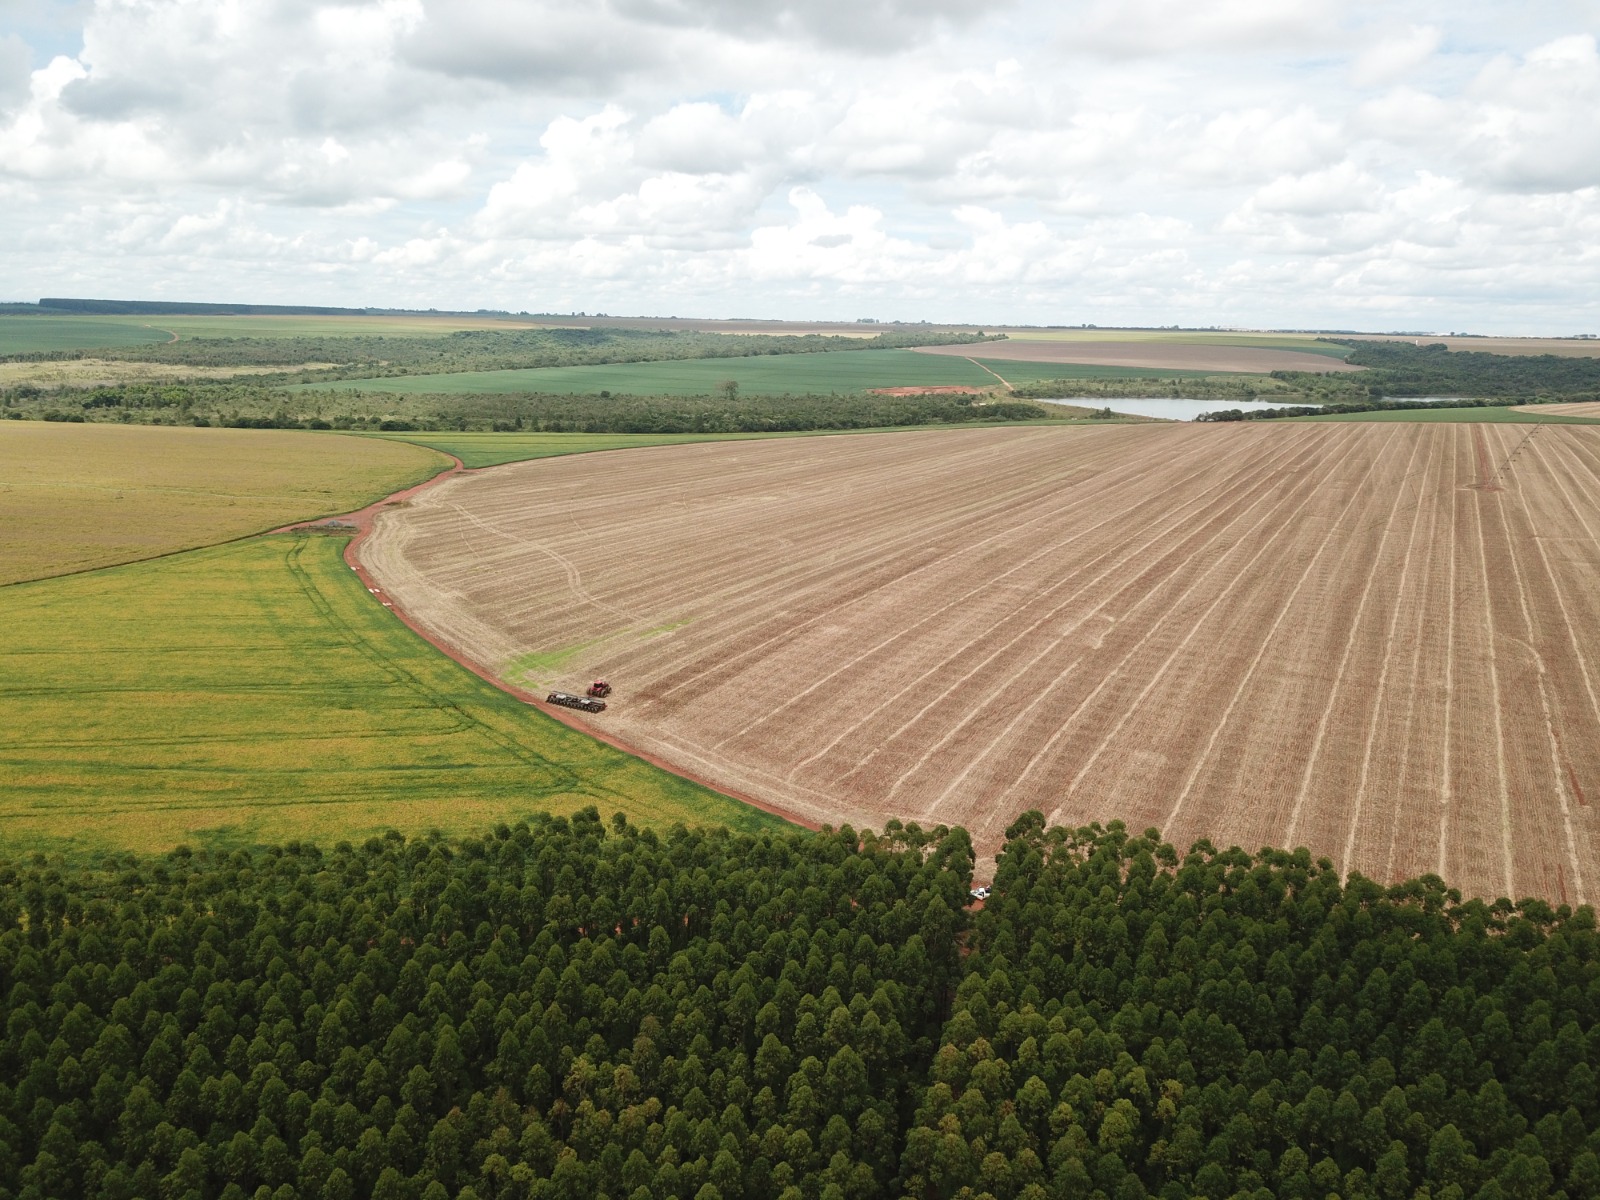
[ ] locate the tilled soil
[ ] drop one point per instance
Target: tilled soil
(1575, 408)
(1378, 641)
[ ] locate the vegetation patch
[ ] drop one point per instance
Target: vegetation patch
(538, 668)
(77, 496)
(255, 691)
(829, 371)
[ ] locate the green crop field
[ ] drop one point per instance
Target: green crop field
(830, 371)
(1496, 415)
(256, 691)
(73, 497)
(28, 334)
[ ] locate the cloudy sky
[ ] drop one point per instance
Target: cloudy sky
(1375, 164)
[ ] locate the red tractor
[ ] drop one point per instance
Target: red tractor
(599, 689)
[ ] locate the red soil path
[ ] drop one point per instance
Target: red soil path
(361, 522)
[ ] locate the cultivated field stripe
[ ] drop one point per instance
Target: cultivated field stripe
(1383, 674)
(1046, 652)
(1194, 629)
(1310, 493)
(1558, 761)
(918, 682)
(1413, 686)
(1494, 691)
(1233, 700)
(1292, 829)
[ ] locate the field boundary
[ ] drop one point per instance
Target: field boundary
(362, 521)
(228, 541)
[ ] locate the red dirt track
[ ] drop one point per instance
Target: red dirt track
(1330, 635)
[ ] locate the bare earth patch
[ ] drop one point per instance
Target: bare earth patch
(1177, 356)
(1564, 347)
(96, 372)
(1375, 640)
(1579, 408)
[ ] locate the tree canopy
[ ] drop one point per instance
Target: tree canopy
(578, 1008)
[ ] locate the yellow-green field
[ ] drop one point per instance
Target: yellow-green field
(256, 691)
(74, 497)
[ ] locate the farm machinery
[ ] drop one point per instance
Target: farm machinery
(599, 689)
(581, 703)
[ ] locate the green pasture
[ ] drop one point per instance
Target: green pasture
(29, 334)
(829, 371)
(1484, 415)
(254, 692)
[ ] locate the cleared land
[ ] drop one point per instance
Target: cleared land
(1130, 355)
(74, 497)
(829, 371)
(96, 372)
(1492, 414)
(493, 449)
(1375, 640)
(1564, 347)
(256, 692)
(1582, 408)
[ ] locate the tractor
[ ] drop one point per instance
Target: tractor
(599, 689)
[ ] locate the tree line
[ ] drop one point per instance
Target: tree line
(573, 1008)
(253, 406)
(338, 356)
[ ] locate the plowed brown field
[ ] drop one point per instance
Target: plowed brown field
(1380, 641)
(1578, 408)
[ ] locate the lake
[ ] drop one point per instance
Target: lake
(1166, 407)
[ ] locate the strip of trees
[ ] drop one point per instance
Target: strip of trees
(245, 405)
(340, 356)
(575, 1008)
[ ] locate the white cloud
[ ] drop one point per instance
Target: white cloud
(1234, 26)
(1102, 160)
(1396, 56)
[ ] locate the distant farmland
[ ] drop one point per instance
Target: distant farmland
(837, 370)
(1137, 356)
(1376, 640)
(29, 335)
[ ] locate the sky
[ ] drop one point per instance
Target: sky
(1360, 164)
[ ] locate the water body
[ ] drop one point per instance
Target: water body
(1167, 407)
